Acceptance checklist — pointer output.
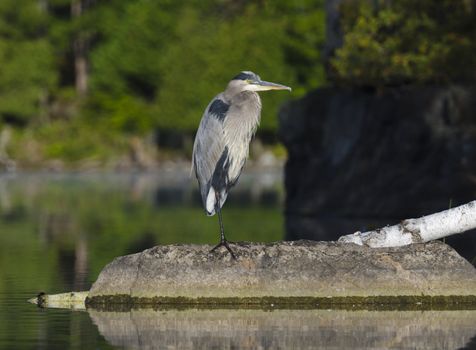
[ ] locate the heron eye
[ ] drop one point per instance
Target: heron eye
(248, 81)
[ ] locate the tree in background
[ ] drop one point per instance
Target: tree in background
(79, 78)
(166, 58)
(405, 41)
(27, 72)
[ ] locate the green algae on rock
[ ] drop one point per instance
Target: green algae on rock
(376, 303)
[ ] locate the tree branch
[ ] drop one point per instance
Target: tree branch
(424, 229)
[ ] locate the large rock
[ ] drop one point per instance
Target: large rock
(360, 159)
(302, 272)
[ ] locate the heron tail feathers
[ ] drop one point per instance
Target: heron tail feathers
(211, 199)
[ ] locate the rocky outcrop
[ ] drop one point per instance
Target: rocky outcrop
(360, 159)
(302, 272)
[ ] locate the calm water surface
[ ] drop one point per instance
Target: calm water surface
(58, 231)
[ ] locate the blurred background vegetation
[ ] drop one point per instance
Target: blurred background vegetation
(92, 81)
(405, 41)
(86, 79)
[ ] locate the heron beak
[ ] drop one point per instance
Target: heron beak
(266, 85)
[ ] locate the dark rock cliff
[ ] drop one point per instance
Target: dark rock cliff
(360, 159)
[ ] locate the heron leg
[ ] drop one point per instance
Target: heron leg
(223, 241)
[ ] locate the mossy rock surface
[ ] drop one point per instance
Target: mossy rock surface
(300, 272)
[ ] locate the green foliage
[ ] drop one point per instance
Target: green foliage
(218, 51)
(122, 113)
(75, 141)
(127, 60)
(395, 42)
(304, 28)
(26, 72)
(152, 65)
(70, 141)
(174, 57)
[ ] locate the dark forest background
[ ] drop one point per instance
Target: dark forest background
(94, 80)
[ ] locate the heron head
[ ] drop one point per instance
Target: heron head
(249, 81)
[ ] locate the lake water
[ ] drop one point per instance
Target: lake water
(58, 231)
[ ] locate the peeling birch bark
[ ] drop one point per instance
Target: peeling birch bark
(424, 229)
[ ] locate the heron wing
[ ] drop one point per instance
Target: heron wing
(208, 150)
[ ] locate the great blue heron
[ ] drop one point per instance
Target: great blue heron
(222, 141)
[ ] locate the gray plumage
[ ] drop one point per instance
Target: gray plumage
(222, 141)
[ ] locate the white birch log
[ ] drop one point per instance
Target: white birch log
(424, 229)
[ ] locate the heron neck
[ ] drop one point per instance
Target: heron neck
(243, 97)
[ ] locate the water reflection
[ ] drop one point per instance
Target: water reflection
(58, 231)
(86, 220)
(286, 329)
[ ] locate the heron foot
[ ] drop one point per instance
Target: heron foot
(224, 243)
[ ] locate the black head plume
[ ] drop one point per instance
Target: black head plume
(246, 75)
